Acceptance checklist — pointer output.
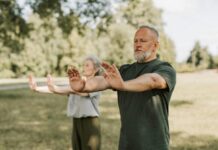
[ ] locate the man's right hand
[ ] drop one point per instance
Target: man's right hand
(76, 82)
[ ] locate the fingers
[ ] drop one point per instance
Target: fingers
(32, 83)
(73, 72)
(113, 75)
(111, 70)
(49, 79)
(115, 68)
(50, 83)
(107, 66)
(30, 78)
(74, 78)
(105, 75)
(71, 69)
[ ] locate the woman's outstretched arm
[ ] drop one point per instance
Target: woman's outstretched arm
(33, 86)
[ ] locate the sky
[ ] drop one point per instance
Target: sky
(187, 21)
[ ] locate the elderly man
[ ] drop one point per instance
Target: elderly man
(144, 90)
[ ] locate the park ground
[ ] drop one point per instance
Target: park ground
(33, 121)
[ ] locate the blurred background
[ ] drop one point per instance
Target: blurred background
(45, 36)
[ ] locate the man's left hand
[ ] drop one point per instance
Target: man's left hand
(112, 76)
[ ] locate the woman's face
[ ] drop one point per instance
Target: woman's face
(88, 68)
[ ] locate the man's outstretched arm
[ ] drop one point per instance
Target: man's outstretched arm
(145, 82)
(112, 79)
(142, 83)
(97, 83)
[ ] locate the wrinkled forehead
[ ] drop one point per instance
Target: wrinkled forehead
(145, 33)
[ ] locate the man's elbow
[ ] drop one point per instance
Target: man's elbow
(158, 82)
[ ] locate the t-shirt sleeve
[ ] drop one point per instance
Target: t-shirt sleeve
(169, 74)
(94, 94)
(123, 68)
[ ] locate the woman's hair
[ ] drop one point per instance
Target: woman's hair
(96, 62)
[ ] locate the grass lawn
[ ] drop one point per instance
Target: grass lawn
(33, 121)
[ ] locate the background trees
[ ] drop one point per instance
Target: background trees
(200, 58)
(56, 33)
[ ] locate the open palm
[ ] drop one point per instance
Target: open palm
(32, 83)
(112, 76)
(50, 83)
(76, 82)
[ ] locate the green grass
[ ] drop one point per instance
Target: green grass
(33, 121)
(37, 121)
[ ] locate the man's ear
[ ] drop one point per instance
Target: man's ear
(156, 44)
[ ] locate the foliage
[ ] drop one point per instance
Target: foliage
(185, 68)
(143, 12)
(61, 32)
(200, 58)
(14, 27)
(116, 46)
(5, 63)
(215, 58)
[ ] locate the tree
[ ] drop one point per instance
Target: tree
(200, 58)
(5, 63)
(167, 49)
(62, 32)
(117, 45)
(215, 58)
(143, 12)
(14, 28)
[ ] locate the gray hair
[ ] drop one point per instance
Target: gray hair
(151, 29)
(96, 62)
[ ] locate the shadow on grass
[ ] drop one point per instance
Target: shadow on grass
(27, 137)
(182, 141)
(26, 94)
(178, 103)
(16, 94)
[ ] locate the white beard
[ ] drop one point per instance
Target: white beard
(142, 56)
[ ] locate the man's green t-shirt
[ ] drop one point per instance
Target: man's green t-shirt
(144, 115)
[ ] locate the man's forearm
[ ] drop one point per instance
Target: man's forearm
(97, 83)
(65, 90)
(144, 83)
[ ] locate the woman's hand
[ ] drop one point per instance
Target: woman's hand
(50, 83)
(32, 83)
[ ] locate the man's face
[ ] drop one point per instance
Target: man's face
(145, 45)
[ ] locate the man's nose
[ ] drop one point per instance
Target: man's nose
(138, 46)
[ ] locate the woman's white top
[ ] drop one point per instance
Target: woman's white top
(83, 106)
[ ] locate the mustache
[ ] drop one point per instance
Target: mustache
(138, 49)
